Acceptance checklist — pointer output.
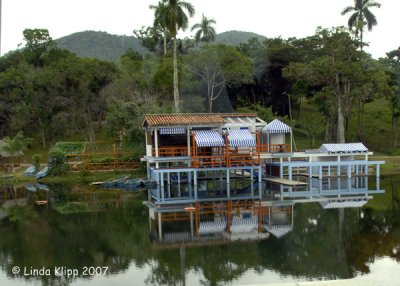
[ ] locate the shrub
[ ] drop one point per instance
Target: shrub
(36, 161)
(57, 162)
(70, 147)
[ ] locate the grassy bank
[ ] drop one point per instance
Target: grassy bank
(84, 177)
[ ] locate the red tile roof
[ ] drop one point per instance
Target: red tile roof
(152, 120)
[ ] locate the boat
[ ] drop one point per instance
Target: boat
(117, 182)
(134, 184)
(42, 173)
(43, 187)
(31, 188)
(149, 184)
(30, 171)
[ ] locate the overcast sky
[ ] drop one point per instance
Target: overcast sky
(271, 18)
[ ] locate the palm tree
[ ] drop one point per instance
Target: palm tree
(160, 21)
(361, 16)
(177, 19)
(14, 146)
(205, 31)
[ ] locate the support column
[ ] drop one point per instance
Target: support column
(228, 188)
(260, 191)
(195, 184)
(179, 184)
(191, 225)
(188, 141)
(162, 185)
(280, 168)
(158, 186)
(156, 145)
(348, 171)
(252, 181)
(159, 227)
(338, 166)
(169, 184)
(189, 177)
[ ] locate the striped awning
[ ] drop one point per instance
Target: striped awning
(241, 138)
(279, 230)
(276, 126)
(172, 130)
(343, 148)
(344, 204)
(208, 138)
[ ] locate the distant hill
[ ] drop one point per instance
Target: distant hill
(105, 46)
(99, 45)
(235, 38)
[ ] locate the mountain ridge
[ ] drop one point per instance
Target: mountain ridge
(105, 46)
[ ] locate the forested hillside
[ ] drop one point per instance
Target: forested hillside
(235, 38)
(104, 46)
(100, 45)
(324, 85)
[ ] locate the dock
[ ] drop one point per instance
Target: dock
(285, 181)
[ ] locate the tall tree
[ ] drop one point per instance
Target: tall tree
(337, 71)
(361, 16)
(217, 67)
(392, 61)
(38, 41)
(205, 31)
(177, 19)
(160, 21)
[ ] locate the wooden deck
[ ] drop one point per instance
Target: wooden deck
(285, 181)
(343, 175)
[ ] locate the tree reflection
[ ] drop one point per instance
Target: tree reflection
(323, 244)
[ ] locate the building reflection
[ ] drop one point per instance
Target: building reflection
(223, 221)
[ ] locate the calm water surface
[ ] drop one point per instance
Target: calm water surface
(107, 232)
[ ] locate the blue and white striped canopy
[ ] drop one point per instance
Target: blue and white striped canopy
(172, 130)
(241, 138)
(276, 126)
(208, 138)
(344, 148)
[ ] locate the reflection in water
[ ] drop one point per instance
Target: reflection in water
(89, 227)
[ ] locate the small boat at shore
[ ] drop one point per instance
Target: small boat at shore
(42, 173)
(30, 171)
(116, 182)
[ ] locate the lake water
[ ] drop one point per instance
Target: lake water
(87, 236)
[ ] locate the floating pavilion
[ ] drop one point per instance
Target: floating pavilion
(228, 172)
